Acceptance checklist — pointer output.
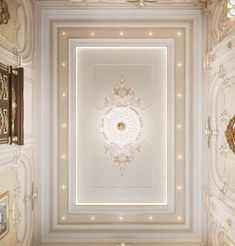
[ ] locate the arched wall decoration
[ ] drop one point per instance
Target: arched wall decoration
(25, 33)
(220, 73)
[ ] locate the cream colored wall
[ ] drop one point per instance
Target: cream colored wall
(8, 182)
(219, 107)
(9, 30)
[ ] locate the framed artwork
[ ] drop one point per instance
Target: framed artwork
(4, 214)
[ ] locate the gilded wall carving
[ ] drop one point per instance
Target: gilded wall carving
(9, 31)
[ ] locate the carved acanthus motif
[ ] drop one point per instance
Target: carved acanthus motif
(121, 125)
(122, 95)
(3, 87)
(210, 132)
(4, 13)
(33, 196)
(3, 121)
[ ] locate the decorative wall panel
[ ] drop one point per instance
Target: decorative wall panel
(11, 105)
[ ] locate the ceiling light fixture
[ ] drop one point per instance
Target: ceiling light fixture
(142, 3)
(231, 8)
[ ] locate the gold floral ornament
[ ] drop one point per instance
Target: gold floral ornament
(122, 125)
(122, 95)
(230, 134)
(4, 13)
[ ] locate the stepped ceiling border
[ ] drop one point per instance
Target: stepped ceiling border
(51, 17)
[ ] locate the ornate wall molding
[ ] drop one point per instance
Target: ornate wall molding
(25, 35)
(219, 24)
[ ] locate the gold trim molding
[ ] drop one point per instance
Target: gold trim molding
(230, 134)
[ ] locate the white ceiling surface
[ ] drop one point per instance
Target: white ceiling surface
(62, 222)
(98, 72)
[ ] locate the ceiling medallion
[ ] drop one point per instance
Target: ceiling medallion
(4, 13)
(230, 134)
(142, 3)
(121, 125)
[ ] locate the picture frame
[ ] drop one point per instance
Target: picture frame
(4, 214)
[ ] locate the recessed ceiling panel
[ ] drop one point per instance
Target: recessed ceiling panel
(122, 129)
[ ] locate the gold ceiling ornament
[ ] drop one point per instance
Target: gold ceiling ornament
(122, 125)
(122, 95)
(142, 3)
(4, 13)
(230, 134)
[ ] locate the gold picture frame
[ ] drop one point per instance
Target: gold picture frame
(4, 214)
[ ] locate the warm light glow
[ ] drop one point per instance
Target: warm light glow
(121, 218)
(179, 126)
(179, 95)
(150, 34)
(179, 187)
(179, 64)
(179, 33)
(64, 125)
(63, 187)
(121, 33)
(92, 34)
(63, 156)
(179, 218)
(150, 218)
(92, 218)
(63, 218)
(63, 94)
(63, 64)
(63, 33)
(180, 157)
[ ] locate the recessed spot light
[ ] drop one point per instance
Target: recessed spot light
(179, 126)
(63, 64)
(63, 33)
(63, 218)
(179, 187)
(179, 95)
(179, 218)
(92, 34)
(63, 187)
(150, 218)
(150, 34)
(121, 218)
(63, 156)
(63, 94)
(64, 125)
(121, 33)
(92, 218)
(179, 64)
(179, 33)
(180, 157)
